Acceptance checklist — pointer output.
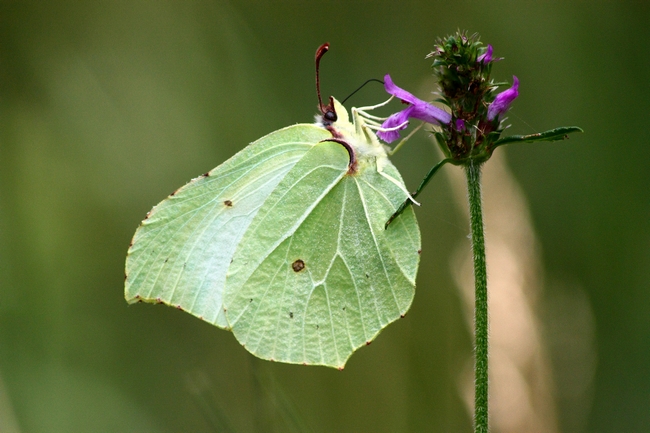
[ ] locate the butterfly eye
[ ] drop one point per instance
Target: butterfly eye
(330, 116)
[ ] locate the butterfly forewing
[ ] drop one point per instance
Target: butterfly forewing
(181, 252)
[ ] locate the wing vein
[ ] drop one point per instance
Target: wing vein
(354, 281)
(398, 220)
(299, 221)
(374, 238)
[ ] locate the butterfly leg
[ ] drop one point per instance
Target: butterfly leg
(405, 139)
(380, 169)
(424, 183)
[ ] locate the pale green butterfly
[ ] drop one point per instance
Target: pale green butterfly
(284, 243)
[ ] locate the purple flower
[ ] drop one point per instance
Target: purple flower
(460, 125)
(393, 125)
(502, 102)
(486, 57)
(418, 109)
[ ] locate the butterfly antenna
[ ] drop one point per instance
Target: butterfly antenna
(320, 52)
(361, 87)
(326, 110)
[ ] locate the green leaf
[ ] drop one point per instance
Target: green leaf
(285, 244)
(551, 135)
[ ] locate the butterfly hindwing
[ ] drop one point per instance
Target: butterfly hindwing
(316, 275)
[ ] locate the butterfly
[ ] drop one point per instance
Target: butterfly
(284, 243)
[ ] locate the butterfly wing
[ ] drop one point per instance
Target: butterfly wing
(285, 244)
(181, 252)
(316, 276)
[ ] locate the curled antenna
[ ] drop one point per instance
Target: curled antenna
(328, 112)
(361, 87)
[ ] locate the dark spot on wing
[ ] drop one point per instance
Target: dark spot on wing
(401, 316)
(367, 276)
(251, 300)
(343, 308)
(368, 343)
(206, 174)
(317, 326)
(228, 203)
(298, 265)
(291, 314)
(419, 251)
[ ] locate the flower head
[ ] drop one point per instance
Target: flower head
(418, 109)
(471, 119)
(503, 100)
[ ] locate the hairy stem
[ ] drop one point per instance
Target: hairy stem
(473, 171)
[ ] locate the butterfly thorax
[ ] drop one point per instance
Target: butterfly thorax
(362, 143)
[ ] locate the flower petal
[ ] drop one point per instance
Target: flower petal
(399, 92)
(422, 110)
(388, 136)
(430, 113)
(418, 109)
(395, 120)
(502, 102)
(486, 57)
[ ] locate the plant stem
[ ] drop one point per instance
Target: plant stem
(473, 171)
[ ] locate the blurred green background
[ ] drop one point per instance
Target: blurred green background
(106, 107)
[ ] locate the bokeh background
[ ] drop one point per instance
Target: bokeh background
(106, 107)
